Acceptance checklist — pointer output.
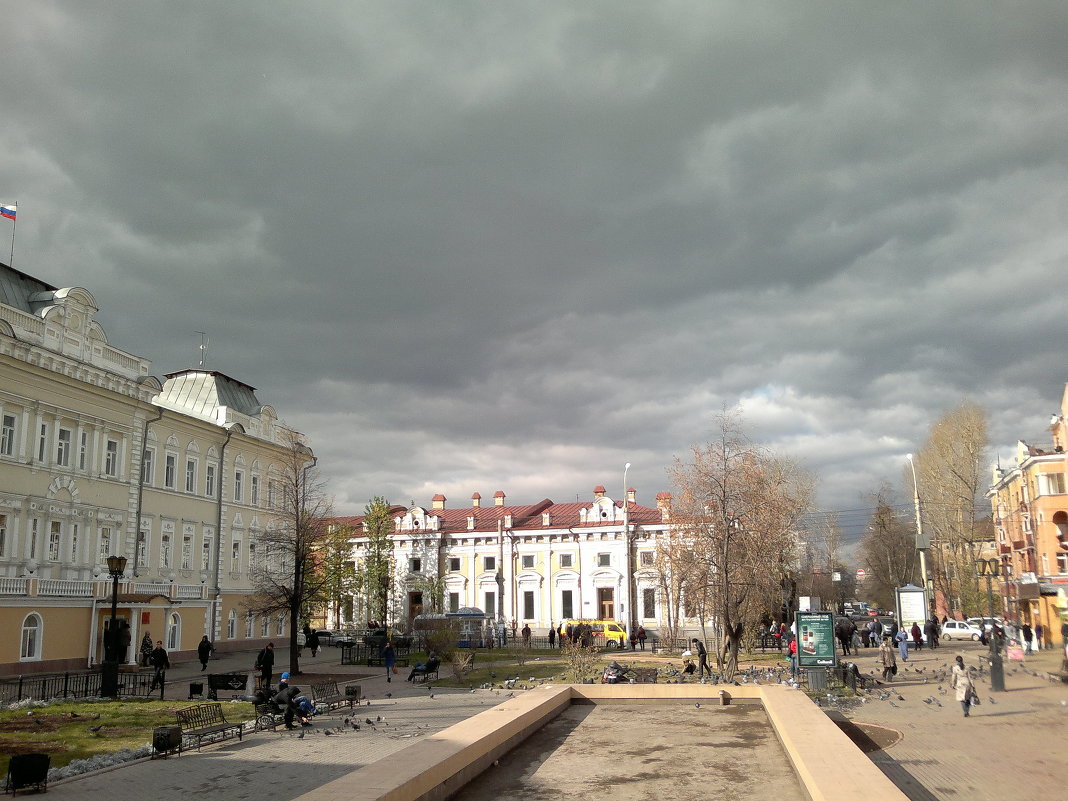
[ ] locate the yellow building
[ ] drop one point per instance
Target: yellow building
(98, 457)
(1029, 501)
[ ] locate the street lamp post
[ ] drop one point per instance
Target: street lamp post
(633, 618)
(921, 543)
(109, 670)
(991, 568)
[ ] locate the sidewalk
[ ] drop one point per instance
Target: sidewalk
(1012, 746)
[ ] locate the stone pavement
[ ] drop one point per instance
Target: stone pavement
(1012, 746)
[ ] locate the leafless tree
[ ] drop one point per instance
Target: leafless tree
(888, 552)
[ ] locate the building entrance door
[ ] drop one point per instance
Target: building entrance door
(415, 604)
(606, 603)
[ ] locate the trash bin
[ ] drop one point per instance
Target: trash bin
(167, 739)
(196, 690)
(817, 678)
(28, 770)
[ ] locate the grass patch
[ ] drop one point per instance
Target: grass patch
(72, 730)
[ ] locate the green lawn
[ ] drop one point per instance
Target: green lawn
(69, 731)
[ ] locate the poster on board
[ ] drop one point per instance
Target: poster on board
(815, 639)
(911, 607)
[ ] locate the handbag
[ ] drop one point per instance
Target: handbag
(973, 699)
(395, 670)
(893, 669)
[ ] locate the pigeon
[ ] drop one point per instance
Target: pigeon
(389, 695)
(378, 718)
(928, 701)
(355, 726)
(697, 706)
(895, 706)
(431, 695)
(991, 700)
(369, 722)
(327, 732)
(901, 698)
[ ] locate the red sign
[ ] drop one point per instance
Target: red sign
(861, 574)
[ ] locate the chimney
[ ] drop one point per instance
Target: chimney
(599, 491)
(498, 498)
(663, 503)
(476, 500)
(439, 501)
(630, 495)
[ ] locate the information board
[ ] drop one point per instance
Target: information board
(911, 607)
(815, 639)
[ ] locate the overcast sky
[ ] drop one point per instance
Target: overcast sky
(471, 246)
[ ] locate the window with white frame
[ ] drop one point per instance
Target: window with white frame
(1051, 483)
(35, 534)
(55, 536)
(64, 443)
(32, 638)
(7, 436)
(83, 450)
(74, 531)
(1062, 563)
(265, 626)
(454, 564)
(645, 558)
(281, 625)
(42, 442)
(171, 466)
(250, 623)
(111, 458)
(235, 555)
(142, 545)
(174, 632)
(528, 605)
(239, 481)
(205, 554)
(527, 561)
(3, 535)
(254, 490)
(104, 551)
(415, 565)
(272, 493)
(190, 475)
(566, 560)
(454, 602)
(187, 552)
(165, 550)
(648, 603)
(231, 625)
(489, 563)
(604, 560)
(209, 481)
(490, 601)
(251, 556)
(148, 459)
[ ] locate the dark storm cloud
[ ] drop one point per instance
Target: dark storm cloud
(479, 246)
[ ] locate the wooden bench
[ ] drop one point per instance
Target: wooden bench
(429, 673)
(206, 720)
(330, 695)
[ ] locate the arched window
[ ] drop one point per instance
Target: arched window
(281, 625)
(174, 632)
(250, 623)
(265, 626)
(231, 625)
(32, 636)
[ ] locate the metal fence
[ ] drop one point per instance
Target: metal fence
(79, 684)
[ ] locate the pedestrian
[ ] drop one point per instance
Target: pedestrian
(865, 637)
(146, 649)
(962, 682)
(875, 632)
(204, 652)
(1028, 637)
(526, 635)
(917, 635)
(1064, 633)
(293, 703)
(887, 658)
(265, 664)
(313, 643)
(930, 628)
(894, 629)
(791, 650)
(302, 640)
(902, 640)
(702, 659)
(844, 635)
(552, 636)
(160, 662)
(389, 659)
(1040, 630)
(642, 636)
(633, 640)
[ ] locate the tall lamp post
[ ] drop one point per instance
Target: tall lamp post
(991, 568)
(109, 670)
(921, 543)
(633, 619)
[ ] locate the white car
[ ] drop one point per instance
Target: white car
(960, 630)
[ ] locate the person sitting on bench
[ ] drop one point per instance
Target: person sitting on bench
(425, 668)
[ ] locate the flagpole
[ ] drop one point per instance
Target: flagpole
(14, 222)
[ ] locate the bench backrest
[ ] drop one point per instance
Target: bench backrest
(200, 716)
(325, 689)
(432, 665)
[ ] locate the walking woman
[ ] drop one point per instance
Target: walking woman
(389, 659)
(962, 682)
(888, 659)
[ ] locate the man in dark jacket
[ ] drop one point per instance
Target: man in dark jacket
(265, 665)
(204, 652)
(702, 658)
(292, 702)
(160, 662)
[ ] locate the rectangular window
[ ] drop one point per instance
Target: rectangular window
(454, 602)
(105, 544)
(604, 560)
(142, 547)
(205, 555)
(235, 555)
(567, 607)
(648, 603)
(272, 493)
(34, 526)
(190, 475)
(63, 447)
(491, 603)
(3, 535)
(565, 561)
(7, 436)
(111, 459)
(1051, 483)
(169, 471)
(250, 621)
(528, 605)
(209, 481)
(489, 562)
(239, 480)
(55, 534)
(454, 564)
(83, 450)
(251, 556)
(415, 565)
(147, 458)
(281, 625)
(74, 543)
(187, 553)
(645, 558)
(1062, 558)
(254, 490)
(165, 550)
(42, 442)
(527, 561)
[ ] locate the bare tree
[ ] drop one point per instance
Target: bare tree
(739, 506)
(888, 551)
(952, 479)
(288, 579)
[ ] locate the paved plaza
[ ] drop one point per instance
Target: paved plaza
(1012, 746)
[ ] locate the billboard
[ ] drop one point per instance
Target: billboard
(815, 639)
(911, 607)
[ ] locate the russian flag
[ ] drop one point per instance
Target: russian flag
(8, 212)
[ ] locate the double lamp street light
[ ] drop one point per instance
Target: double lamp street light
(991, 569)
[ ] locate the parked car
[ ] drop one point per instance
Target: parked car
(326, 636)
(960, 630)
(985, 622)
(345, 638)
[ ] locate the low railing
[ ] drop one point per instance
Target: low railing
(79, 684)
(69, 588)
(13, 586)
(190, 591)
